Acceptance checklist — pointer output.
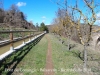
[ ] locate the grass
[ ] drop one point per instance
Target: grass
(63, 59)
(92, 64)
(34, 60)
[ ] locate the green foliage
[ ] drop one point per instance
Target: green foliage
(43, 27)
(37, 26)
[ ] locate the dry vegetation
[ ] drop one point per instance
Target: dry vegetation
(69, 25)
(13, 18)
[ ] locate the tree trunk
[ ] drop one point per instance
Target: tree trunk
(68, 42)
(85, 57)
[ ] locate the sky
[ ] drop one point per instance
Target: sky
(40, 11)
(37, 11)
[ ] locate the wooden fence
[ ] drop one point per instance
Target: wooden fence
(30, 34)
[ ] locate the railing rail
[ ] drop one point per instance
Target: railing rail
(31, 33)
(12, 31)
(22, 34)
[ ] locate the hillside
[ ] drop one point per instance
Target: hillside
(14, 18)
(17, 26)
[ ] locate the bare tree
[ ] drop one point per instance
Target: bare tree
(65, 19)
(1, 15)
(15, 18)
(89, 22)
(10, 16)
(69, 21)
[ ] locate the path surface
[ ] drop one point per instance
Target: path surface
(49, 63)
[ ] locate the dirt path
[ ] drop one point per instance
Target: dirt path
(49, 63)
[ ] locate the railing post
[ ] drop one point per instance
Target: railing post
(23, 33)
(11, 40)
(29, 36)
(33, 33)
